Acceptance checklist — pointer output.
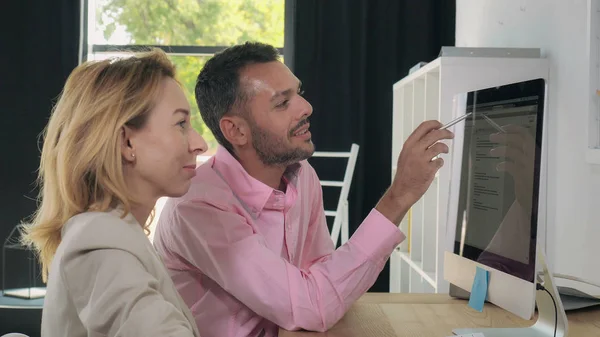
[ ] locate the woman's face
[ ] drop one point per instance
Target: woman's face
(162, 154)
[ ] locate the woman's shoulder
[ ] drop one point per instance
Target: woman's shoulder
(103, 230)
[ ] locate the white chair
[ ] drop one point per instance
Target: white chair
(340, 214)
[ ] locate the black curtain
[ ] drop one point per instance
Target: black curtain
(348, 54)
(40, 41)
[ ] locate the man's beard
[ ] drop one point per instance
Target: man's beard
(272, 150)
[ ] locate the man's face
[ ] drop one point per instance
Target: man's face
(277, 114)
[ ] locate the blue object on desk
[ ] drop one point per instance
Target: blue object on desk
(479, 289)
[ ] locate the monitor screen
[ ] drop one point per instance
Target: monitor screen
(499, 187)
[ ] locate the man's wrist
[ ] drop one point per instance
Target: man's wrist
(393, 207)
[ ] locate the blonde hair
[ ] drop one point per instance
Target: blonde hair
(81, 168)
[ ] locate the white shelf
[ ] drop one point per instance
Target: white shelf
(592, 156)
(430, 68)
(593, 129)
(428, 93)
(409, 276)
(417, 266)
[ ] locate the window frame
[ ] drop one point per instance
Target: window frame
(88, 21)
(87, 49)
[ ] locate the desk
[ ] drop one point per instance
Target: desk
(433, 315)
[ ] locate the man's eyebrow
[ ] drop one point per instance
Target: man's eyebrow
(286, 92)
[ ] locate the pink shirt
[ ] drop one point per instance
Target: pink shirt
(247, 258)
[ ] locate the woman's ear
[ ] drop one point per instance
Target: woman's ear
(127, 149)
(235, 129)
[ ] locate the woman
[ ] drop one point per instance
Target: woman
(119, 138)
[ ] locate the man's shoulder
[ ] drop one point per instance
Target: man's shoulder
(207, 186)
(306, 165)
(306, 171)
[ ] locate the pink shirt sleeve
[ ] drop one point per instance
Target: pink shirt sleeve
(314, 297)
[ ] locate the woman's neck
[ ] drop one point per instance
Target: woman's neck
(141, 213)
(144, 195)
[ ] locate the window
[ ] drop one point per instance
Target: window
(190, 31)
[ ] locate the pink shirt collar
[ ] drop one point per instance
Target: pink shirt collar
(250, 190)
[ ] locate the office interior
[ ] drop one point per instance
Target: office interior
(350, 57)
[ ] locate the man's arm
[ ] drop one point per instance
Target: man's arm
(224, 246)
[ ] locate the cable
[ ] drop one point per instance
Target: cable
(574, 278)
(568, 277)
(541, 287)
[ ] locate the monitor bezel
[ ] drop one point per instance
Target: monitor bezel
(505, 290)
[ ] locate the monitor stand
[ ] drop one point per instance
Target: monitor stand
(544, 326)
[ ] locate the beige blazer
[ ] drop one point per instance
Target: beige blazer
(107, 280)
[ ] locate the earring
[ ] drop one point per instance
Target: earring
(133, 155)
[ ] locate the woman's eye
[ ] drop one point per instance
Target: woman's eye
(183, 124)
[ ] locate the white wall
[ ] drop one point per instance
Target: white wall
(559, 27)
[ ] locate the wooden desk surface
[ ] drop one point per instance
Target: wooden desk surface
(433, 315)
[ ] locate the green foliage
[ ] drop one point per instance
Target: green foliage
(192, 23)
(187, 71)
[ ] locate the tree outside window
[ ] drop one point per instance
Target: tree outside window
(190, 31)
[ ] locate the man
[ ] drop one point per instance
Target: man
(248, 246)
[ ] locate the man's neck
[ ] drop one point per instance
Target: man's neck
(270, 175)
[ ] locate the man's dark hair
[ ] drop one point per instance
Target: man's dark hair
(218, 88)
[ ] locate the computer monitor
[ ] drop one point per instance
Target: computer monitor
(494, 193)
